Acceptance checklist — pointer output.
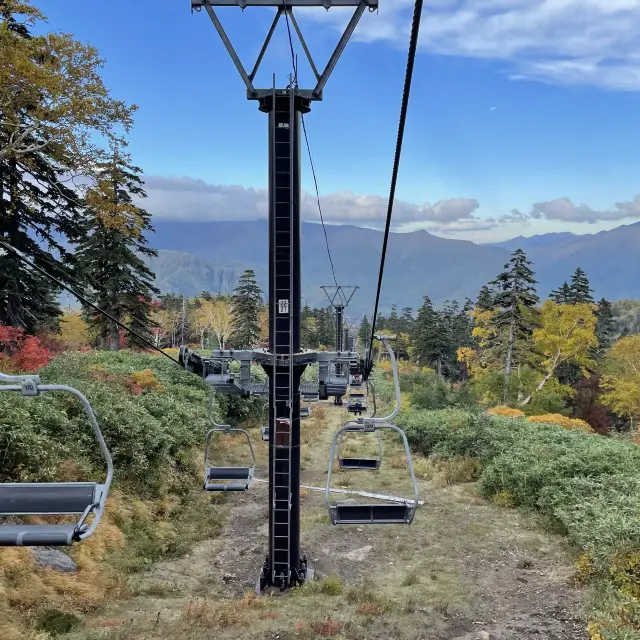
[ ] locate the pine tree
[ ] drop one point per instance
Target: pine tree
(35, 205)
(561, 295)
(406, 320)
(247, 303)
(111, 255)
(307, 333)
(364, 333)
(580, 290)
(516, 295)
(431, 338)
(605, 328)
(485, 299)
(393, 322)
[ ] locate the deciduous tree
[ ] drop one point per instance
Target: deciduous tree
(566, 334)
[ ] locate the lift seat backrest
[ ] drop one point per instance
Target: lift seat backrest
(47, 498)
(359, 463)
(372, 513)
(228, 473)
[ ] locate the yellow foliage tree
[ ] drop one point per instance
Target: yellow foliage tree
(51, 93)
(567, 334)
(74, 332)
(621, 379)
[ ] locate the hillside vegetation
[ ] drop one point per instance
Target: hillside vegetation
(153, 417)
(588, 487)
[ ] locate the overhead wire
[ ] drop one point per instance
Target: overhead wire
(413, 45)
(84, 300)
(308, 145)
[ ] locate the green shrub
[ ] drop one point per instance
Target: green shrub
(588, 485)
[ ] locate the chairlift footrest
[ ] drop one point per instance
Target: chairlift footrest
(38, 535)
(225, 487)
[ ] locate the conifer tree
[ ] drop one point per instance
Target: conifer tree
(34, 205)
(431, 338)
(110, 257)
(562, 295)
(247, 303)
(364, 333)
(51, 103)
(515, 297)
(485, 299)
(605, 328)
(580, 290)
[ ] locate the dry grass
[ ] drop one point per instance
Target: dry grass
(443, 472)
(229, 613)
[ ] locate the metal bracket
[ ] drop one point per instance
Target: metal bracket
(285, 6)
(339, 293)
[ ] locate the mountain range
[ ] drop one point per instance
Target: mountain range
(197, 256)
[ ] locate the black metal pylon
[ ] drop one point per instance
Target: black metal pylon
(284, 566)
(339, 296)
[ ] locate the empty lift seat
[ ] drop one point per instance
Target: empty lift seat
(359, 463)
(228, 478)
(46, 498)
(372, 513)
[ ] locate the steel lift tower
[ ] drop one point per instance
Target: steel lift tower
(284, 566)
(339, 297)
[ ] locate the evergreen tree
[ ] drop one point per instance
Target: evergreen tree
(110, 257)
(561, 295)
(515, 296)
(406, 320)
(605, 328)
(35, 205)
(485, 299)
(206, 295)
(431, 338)
(393, 322)
(364, 333)
(580, 290)
(307, 333)
(247, 304)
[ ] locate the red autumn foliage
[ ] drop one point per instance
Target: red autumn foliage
(21, 353)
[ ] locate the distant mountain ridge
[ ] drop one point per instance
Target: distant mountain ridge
(210, 255)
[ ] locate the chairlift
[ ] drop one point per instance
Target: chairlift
(52, 498)
(354, 463)
(357, 402)
(305, 412)
(238, 478)
(380, 512)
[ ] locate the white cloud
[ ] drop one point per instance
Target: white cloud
(564, 210)
(593, 42)
(191, 199)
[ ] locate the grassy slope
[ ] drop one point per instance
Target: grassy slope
(587, 485)
(153, 424)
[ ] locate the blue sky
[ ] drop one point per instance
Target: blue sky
(514, 104)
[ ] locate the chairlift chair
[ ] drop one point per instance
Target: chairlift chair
(52, 498)
(353, 463)
(380, 512)
(238, 478)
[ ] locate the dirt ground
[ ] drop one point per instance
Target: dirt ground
(464, 570)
